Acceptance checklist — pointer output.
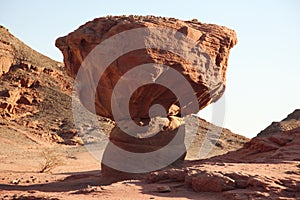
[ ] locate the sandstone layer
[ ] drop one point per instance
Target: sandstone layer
(213, 41)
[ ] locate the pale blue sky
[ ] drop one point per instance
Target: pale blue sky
(263, 78)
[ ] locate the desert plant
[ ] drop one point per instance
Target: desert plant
(51, 160)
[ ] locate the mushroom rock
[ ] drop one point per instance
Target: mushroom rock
(148, 103)
(212, 41)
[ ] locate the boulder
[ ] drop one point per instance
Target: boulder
(212, 41)
(212, 182)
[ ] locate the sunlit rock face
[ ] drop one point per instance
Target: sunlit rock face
(207, 77)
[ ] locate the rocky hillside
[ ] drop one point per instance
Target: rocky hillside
(35, 93)
(291, 122)
(15, 52)
(278, 142)
(213, 140)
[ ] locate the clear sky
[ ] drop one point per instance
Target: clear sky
(263, 78)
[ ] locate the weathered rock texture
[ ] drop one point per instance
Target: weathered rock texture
(35, 94)
(267, 167)
(215, 40)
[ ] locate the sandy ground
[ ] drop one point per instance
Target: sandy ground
(32, 168)
(73, 174)
(77, 177)
(80, 179)
(76, 174)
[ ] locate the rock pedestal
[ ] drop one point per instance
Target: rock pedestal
(159, 139)
(196, 53)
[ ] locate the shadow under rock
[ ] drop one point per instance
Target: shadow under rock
(74, 181)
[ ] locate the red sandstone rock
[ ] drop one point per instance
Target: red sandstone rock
(215, 40)
(212, 182)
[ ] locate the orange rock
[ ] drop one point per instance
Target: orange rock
(215, 40)
(212, 182)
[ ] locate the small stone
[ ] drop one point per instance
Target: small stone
(220, 164)
(163, 189)
(34, 179)
(16, 181)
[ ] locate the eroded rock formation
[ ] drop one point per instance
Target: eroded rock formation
(215, 40)
(205, 73)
